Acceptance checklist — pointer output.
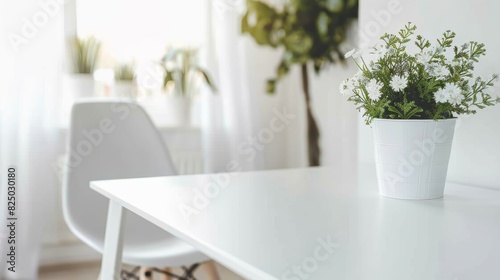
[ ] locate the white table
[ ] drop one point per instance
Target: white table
(317, 223)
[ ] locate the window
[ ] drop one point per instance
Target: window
(140, 30)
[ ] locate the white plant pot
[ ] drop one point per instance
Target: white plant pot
(77, 86)
(124, 89)
(412, 157)
(178, 110)
(168, 110)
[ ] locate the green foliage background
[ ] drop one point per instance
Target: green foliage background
(180, 68)
(308, 30)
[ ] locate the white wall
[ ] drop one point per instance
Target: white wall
(475, 156)
(335, 116)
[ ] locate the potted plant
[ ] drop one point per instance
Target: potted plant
(310, 32)
(124, 80)
(181, 82)
(412, 99)
(85, 52)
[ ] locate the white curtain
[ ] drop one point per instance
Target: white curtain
(28, 125)
(239, 116)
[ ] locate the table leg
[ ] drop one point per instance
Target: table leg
(113, 242)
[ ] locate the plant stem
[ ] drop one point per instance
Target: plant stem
(314, 151)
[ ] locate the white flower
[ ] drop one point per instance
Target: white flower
(344, 87)
(354, 81)
(424, 57)
(437, 70)
(437, 50)
(456, 99)
(455, 95)
(429, 68)
(399, 83)
(440, 96)
(373, 87)
(440, 71)
(350, 53)
(348, 86)
(450, 93)
(358, 79)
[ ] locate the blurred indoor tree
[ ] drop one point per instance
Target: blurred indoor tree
(311, 32)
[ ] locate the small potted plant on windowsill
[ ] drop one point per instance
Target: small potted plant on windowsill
(412, 100)
(181, 82)
(124, 80)
(85, 52)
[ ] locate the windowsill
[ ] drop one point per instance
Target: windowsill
(63, 126)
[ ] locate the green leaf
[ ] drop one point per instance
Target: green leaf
(334, 5)
(282, 70)
(85, 54)
(322, 24)
(168, 77)
(260, 31)
(299, 42)
(207, 79)
(271, 86)
(260, 8)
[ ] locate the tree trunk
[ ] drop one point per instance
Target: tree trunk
(314, 151)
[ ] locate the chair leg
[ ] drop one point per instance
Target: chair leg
(164, 276)
(146, 273)
(210, 270)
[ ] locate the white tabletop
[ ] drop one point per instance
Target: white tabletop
(323, 223)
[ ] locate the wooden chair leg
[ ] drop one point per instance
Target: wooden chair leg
(210, 270)
(165, 277)
(146, 273)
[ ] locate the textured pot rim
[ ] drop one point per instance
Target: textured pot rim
(413, 120)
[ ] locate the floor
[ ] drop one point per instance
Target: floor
(90, 271)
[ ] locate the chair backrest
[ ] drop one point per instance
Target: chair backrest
(108, 140)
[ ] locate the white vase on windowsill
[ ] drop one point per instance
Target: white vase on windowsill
(178, 109)
(168, 109)
(124, 89)
(76, 86)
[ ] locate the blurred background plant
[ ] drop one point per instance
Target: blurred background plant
(125, 72)
(125, 80)
(182, 73)
(85, 52)
(309, 31)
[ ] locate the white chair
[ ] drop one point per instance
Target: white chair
(116, 140)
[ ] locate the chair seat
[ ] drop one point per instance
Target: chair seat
(171, 251)
(146, 245)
